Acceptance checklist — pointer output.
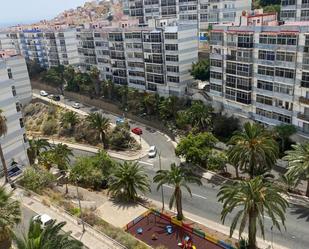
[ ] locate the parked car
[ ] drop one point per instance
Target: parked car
(137, 131)
(76, 105)
(119, 121)
(50, 96)
(56, 97)
(43, 93)
(42, 219)
(152, 151)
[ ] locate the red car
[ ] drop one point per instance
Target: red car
(137, 131)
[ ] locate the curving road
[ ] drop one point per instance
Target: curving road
(204, 201)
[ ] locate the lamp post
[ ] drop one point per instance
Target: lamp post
(162, 192)
(80, 207)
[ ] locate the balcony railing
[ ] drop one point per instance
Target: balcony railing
(303, 116)
(304, 100)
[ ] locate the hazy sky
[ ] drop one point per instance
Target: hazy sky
(15, 11)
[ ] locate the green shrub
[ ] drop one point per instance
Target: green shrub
(120, 138)
(36, 180)
(49, 127)
(75, 211)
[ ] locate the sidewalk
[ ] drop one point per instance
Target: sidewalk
(90, 238)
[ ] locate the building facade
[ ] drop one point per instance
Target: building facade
(262, 72)
(15, 92)
(154, 59)
(294, 10)
(202, 12)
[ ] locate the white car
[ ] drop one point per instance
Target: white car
(76, 105)
(43, 93)
(43, 219)
(152, 151)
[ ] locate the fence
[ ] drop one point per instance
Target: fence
(188, 227)
(105, 105)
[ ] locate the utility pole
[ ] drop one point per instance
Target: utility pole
(80, 207)
(162, 192)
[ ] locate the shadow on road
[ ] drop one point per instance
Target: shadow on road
(301, 211)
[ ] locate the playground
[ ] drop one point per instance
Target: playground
(156, 229)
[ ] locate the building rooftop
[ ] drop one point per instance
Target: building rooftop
(8, 53)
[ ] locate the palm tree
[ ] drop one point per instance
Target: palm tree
(46, 159)
(70, 119)
(95, 77)
(48, 238)
(10, 215)
(256, 197)
(36, 147)
(99, 122)
(199, 115)
(298, 159)
(3, 131)
(254, 150)
(127, 179)
(178, 177)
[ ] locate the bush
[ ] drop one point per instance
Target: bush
(49, 127)
(224, 127)
(89, 217)
(29, 110)
(120, 138)
(84, 134)
(217, 161)
(36, 180)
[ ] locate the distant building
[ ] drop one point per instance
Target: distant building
(15, 92)
(294, 10)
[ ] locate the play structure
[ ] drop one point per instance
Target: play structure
(156, 229)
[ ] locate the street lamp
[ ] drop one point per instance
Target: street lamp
(162, 192)
(80, 207)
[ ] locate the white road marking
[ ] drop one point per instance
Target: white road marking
(199, 196)
(142, 162)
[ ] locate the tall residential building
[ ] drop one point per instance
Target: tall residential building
(15, 92)
(262, 72)
(202, 12)
(46, 47)
(156, 58)
(294, 10)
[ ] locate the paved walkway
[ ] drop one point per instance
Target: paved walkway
(90, 238)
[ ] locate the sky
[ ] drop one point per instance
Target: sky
(23, 11)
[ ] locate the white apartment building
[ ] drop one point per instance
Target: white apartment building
(294, 10)
(202, 12)
(155, 59)
(48, 47)
(15, 92)
(262, 72)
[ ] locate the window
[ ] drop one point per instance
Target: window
(266, 55)
(216, 63)
(269, 71)
(305, 80)
(304, 15)
(171, 36)
(265, 85)
(288, 2)
(216, 75)
(286, 39)
(264, 100)
(285, 73)
(215, 87)
(173, 79)
(171, 57)
(245, 41)
(288, 14)
(216, 38)
(25, 138)
(285, 56)
(171, 47)
(10, 75)
(174, 69)
(13, 90)
(268, 39)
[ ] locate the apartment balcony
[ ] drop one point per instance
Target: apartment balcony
(239, 59)
(304, 100)
(303, 116)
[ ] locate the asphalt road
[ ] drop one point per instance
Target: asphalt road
(204, 201)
